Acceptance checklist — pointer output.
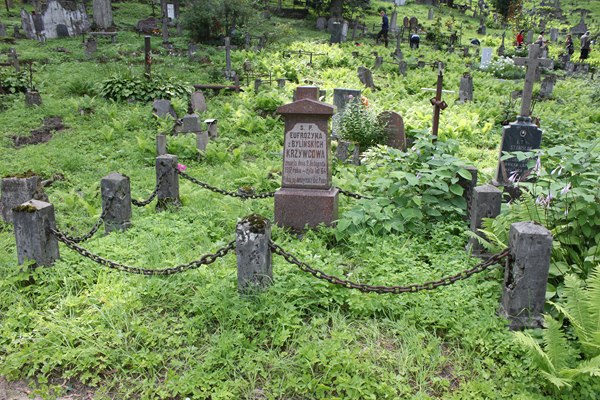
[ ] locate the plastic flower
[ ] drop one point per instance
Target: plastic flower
(181, 167)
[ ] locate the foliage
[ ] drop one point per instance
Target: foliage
(507, 8)
(411, 189)
(359, 124)
(13, 82)
(207, 19)
(565, 362)
(126, 86)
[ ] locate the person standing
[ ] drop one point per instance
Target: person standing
(586, 42)
(385, 27)
(520, 39)
(569, 46)
(540, 40)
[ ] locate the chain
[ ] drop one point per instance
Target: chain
(388, 289)
(92, 232)
(241, 194)
(204, 260)
(355, 195)
(143, 203)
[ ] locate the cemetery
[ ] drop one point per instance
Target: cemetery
(262, 200)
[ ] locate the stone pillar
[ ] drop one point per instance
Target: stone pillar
(33, 220)
(167, 180)
(161, 145)
(116, 202)
(257, 83)
(102, 13)
(33, 98)
(486, 203)
(378, 62)
(525, 278)
(281, 82)
(254, 258)
(15, 191)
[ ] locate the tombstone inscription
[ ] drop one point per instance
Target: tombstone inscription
(306, 177)
(522, 135)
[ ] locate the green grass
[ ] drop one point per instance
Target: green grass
(192, 335)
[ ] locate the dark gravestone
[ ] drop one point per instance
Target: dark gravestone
(366, 77)
(465, 92)
(406, 22)
(198, 102)
(522, 135)
(341, 97)
(321, 23)
(394, 127)
(62, 31)
(547, 86)
(162, 108)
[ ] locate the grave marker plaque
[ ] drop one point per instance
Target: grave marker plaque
(306, 197)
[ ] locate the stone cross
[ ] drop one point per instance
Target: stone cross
(306, 175)
(532, 62)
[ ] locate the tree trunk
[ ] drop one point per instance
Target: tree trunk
(336, 8)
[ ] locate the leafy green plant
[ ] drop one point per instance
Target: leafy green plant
(13, 82)
(412, 189)
(126, 86)
(565, 362)
(359, 124)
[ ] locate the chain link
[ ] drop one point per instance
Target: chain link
(240, 194)
(388, 289)
(204, 260)
(143, 203)
(355, 195)
(92, 232)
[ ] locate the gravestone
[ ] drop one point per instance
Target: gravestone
(554, 35)
(91, 46)
(482, 30)
(569, 67)
(321, 23)
(229, 73)
(198, 102)
(306, 175)
(414, 23)
(394, 127)
(521, 135)
(402, 68)
(17, 190)
(378, 62)
(341, 97)
(486, 57)
(56, 18)
(162, 108)
(337, 32)
(366, 77)
(547, 86)
(2, 30)
(330, 23)
(465, 92)
(581, 28)
(102, 13)
(406, 22)
(190, 123)
(529, 38)
(430, 14)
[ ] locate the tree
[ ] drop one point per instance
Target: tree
(208, 19)
(507, 8)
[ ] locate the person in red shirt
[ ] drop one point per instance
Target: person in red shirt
(520, 39)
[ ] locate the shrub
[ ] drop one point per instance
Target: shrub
(208, 19)
(13, 82)
(504, 68)
(360, 125)
(122, 87)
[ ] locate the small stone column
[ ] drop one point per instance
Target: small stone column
(116, 202)
(15, 191)
(525, 278)
(33, 98)
(254, 257)
(161, 145)
(485, 203)
(257, 83)
(33, 220)
(281, 82)
(378, 62)
(167, 180)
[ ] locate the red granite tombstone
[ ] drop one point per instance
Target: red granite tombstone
(394, 127)
(306, 197)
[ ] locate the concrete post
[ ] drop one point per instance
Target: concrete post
(254, 258)
(161, 145)
(33, 220)
(485, 203)
(526, 276)
(116, 202)
(167, 180)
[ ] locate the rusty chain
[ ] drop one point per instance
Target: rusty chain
(413, 288)
(240, 194)
(143, 203)
(204, 260)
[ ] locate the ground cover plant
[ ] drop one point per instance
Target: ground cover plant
(77, 328)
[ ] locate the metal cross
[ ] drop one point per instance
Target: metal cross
(437, 102)
(532, 62)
